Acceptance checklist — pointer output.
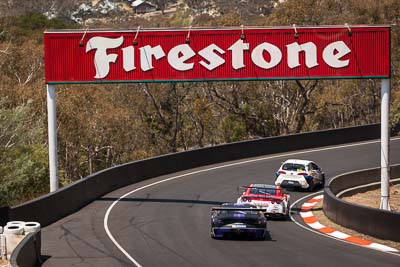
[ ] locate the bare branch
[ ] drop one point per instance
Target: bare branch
(154, 102)
(9, 142)
(32, 70)
(5, 51)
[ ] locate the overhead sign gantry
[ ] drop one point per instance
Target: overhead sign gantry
(218, 54)
(164, 55)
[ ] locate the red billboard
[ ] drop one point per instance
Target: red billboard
(199, 54)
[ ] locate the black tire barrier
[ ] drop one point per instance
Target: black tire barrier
(56, 205)
(374, 222)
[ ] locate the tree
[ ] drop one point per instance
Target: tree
(23, 168)
(251, 106)
(165, 120)
(162, 4)
(292, 102)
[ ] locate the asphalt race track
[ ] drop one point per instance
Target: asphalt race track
(168, 223)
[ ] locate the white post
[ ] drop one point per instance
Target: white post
(385, 144)
(52, 131)
(3, 250)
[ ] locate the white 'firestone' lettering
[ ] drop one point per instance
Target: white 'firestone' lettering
(146, 56)
(258, 57)
(237, 53)
(179, 55)
(128, 55)
(213, 58)
(101, 59)
(333, 59)
(293, 53)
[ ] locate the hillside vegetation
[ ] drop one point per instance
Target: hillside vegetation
(105, 125)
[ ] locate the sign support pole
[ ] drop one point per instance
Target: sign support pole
(385, 144)
(52, 132)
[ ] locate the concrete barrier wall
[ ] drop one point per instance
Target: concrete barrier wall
(27, 253)
(374, 222)
(4, 211)
(54, 206)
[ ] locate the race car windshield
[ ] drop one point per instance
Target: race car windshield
(293, 167)
(266, 191)
(238, 212)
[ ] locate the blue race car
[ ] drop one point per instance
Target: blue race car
(232, 219)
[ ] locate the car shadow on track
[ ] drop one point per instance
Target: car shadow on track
(163, 200)
(247, 238)
(304, 190)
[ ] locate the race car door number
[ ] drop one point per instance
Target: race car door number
(238, 226)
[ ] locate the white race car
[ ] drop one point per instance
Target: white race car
(270, 198)
(296, 173)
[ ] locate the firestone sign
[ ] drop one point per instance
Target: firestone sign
(217, 54)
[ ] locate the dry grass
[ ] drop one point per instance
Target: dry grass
(370, 199)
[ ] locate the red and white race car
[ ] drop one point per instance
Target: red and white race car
(269, 197)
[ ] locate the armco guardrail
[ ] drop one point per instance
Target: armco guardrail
(374, 222)
(54, 206)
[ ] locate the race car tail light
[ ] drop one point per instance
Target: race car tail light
(279, 173)
(302, 173)
(216, 221)
(262, 220)
(275, 201)
(246, 199)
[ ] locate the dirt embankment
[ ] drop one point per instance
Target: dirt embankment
(372, 198)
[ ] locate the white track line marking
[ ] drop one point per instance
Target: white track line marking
(382, 247)
(306, 214)
(317, 225)
(339, 235)
(216, 168)
(308, 205)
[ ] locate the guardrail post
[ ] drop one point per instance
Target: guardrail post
(52, 132)
(385, 144)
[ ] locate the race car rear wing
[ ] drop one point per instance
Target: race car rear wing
(283, 191)
(258, 187)
(266, 196)
(237, 209)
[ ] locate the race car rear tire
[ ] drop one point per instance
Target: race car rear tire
(311, 186)
(323, 181)
(287, 215)
(260, 238)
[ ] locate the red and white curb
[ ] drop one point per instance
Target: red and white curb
(309, 218)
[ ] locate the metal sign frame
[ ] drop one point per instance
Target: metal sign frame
(219, 54)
